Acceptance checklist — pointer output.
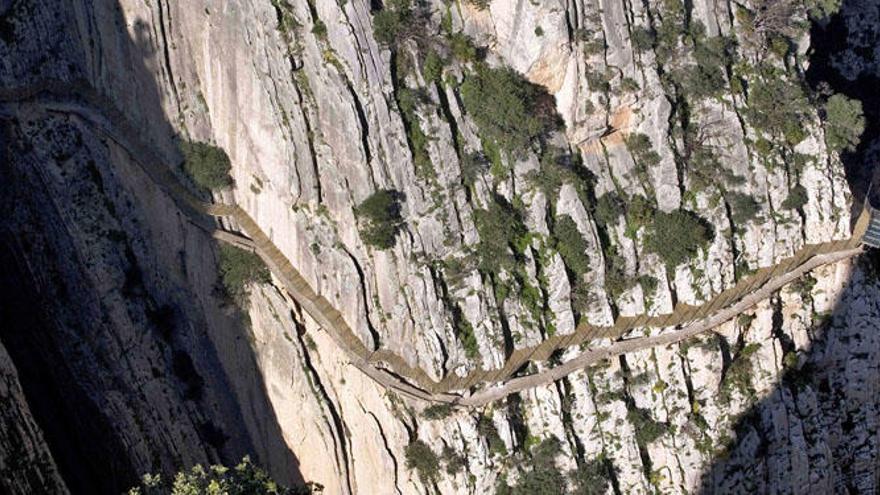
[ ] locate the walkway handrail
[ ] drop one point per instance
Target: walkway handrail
(412, 381)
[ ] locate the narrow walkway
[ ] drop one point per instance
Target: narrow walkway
(385, 367)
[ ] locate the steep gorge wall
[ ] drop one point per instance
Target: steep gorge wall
(312, 123)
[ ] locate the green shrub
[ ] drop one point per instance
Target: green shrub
(245, 478)
(639, 213)
(571, 245)
(240, 268)
(778, 107)
(649, 285)
(797, 198)
(509, 110)
(454, 461)
(542, 477)
(420, 457)
(678, 236)
(844, 123)
(642, 150)
(319, 29)
(647, 428)
(486, 428)
(609, 208)
(501, 229)
(706, 78)
(432, 68)
(590, 478)
(643, 38)
(559, 166)
(743, 208)
(407, 100)
(382, 220)
(206, 164)
(616, 280)
(393, 22)
(437, 411)
(463, 48)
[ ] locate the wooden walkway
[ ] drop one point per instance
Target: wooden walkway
(382, 365)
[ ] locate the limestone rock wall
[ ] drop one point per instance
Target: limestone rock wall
(305, 102)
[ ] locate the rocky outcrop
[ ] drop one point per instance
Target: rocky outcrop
(25, 460)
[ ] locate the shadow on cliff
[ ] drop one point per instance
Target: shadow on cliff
(816, 431)
(59, 351)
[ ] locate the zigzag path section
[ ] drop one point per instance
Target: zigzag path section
(479, 386)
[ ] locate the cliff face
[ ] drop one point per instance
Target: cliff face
(110, 289)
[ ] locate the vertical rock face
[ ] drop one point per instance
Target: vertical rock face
(109, 288)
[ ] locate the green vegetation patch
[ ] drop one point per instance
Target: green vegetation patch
(844, 123)
(240, 268)
(797, 198)
(243, 479)
(423, 460)
(381, 218)
(501, 229)
(571, 245)
(394, 22)
(509, 110)
(207, 165)
(678, 236)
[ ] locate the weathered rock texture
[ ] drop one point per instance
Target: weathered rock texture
(111, 290)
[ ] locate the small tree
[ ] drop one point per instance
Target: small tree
(393, 22)
(677, 236)
(844, 123)
(206, 164)
(501, 228)
(797, 198)
(509, 110)
(571, 245)
(420, 457)
(244, 479)
(381, 218)
(240, 268)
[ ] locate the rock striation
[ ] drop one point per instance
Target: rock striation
(661, 106)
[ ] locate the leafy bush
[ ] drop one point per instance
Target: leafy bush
(454, 461)
(743, 208)
(844, 123)
(643, 38)
(486, 428)
(407, 100)
(678, 236)
(393, 22)
(509, 110)
(206, 164)
(590, 478)
(797, 198)
(559, 166)
(382, 220)
(501, 228)
(778, 107)
(244, 479)
(437, 411)
(609, 208)
(571, 245)
(432, 68)
(463, 48)
(420, 457)
(319, 29)
(239, 268)
(706, 78)
(647, 428)
(543, 477)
